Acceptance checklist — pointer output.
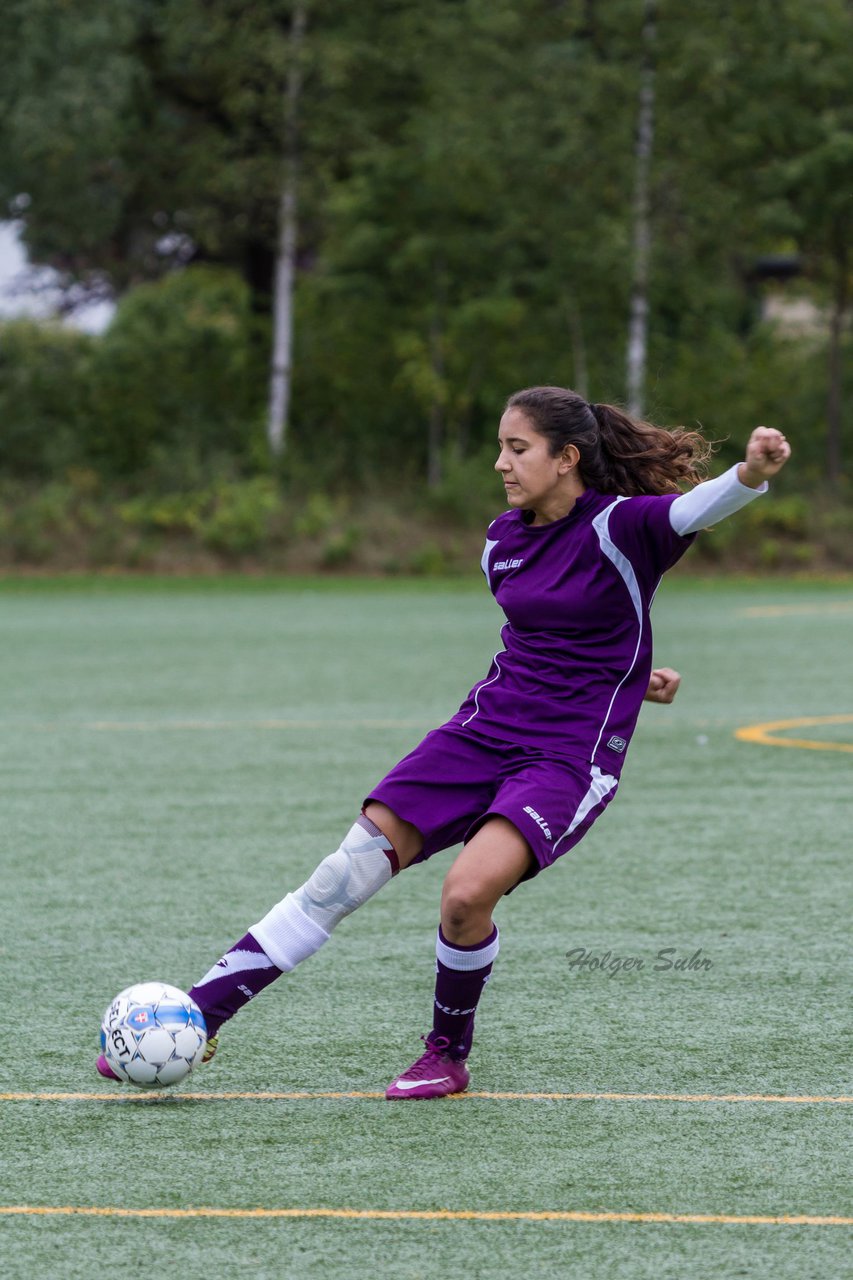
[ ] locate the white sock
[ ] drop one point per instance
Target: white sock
(287, 935)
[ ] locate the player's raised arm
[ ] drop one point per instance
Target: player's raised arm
(767, 451)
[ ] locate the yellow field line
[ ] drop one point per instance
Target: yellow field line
(304, 1096)
(432, 1215)
(765, 733)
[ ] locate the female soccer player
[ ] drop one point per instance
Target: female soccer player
(534, 754)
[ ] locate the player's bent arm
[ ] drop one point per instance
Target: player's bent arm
(663, 685)
(713, 500)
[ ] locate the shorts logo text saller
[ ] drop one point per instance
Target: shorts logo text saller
(539, 820)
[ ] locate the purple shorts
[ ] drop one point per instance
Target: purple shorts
(454, 780)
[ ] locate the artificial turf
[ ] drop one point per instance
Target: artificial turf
(177, 758)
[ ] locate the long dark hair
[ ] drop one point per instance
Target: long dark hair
(618, 454)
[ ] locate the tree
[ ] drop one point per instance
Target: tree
(495, 217)
(145, 136)
(285, 268)
(66, 112)
(472, 215)
(641, 230)
(755, 155)
(813, 175)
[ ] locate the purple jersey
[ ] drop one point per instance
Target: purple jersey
(577, 641)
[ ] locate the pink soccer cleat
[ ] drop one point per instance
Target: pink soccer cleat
(434, 1075)
(104, 1069)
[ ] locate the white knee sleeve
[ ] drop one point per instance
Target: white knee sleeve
(348, 877)
(298, 926)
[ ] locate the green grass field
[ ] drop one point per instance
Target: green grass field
(176, 757)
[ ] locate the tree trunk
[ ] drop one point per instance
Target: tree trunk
(834, 414)
(285, 266)
(641, 231)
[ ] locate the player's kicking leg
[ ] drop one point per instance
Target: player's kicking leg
(301, 923)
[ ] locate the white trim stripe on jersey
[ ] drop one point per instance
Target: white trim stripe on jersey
(484, 562)
(600, 787)
(482, 686)
(623, 566)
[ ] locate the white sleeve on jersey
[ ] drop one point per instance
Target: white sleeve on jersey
(710, 501)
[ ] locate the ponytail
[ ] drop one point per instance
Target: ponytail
(639, 457)
(618, 454)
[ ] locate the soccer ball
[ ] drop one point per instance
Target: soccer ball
(152, 1035)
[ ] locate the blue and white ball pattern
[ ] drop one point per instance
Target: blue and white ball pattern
(153, 1035)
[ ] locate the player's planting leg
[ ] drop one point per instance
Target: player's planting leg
(493, 862)
(461, 974)
(297, 926)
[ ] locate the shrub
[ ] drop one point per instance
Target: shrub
(172, 375)
(470, 493)
(45, 410)
(239, 521)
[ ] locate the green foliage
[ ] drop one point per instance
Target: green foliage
(230, 517)
(75, 523)
(465, 224)
(173, 374)
(51, 523)
(165, 513)
(725, 383)
(45, 409)
(170, 392)
(469, 493)
(340, 550)
(80, 522)
(240, 519)
(430, 561)
(67, 113)
(316, 517)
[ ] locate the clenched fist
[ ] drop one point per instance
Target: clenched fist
(766, 453)
(663, 685)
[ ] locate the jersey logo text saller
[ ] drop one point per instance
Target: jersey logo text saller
(507, 564)
(617, 744)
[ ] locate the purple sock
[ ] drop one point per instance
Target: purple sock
(461, 973)
(233, 981)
